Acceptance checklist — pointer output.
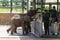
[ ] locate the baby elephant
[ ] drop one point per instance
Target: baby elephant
(22, 21)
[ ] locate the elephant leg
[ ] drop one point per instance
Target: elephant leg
(11, 32)
(23, 27)
(29, 27)
(13, 29)
(23, 30)
(9, 29)
(26, 30)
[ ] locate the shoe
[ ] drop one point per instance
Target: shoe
(11, 33)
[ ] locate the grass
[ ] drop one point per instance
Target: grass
(7, 10)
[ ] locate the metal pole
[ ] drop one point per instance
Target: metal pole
(41, 6)
(11, 6)
(22, 6)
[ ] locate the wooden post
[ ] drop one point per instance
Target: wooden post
(49, 6)
(57, 4)
(34, 4)
(22, 6)
(27, 5)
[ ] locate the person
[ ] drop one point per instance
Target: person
(45, 17)
(53, 16)
(39, 25)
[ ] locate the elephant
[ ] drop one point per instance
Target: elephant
(22, 21)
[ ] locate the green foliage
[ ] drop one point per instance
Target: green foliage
(46, 8)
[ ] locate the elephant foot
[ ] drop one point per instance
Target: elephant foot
(11, 33)
(26, 33)
(7, 31)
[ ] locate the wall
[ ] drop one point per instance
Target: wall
(5, 18)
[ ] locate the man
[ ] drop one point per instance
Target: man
(45, 17)
(53, 16)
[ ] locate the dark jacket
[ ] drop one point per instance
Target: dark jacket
(45, 17)
(53, 14)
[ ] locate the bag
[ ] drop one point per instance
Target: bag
(56, 26)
